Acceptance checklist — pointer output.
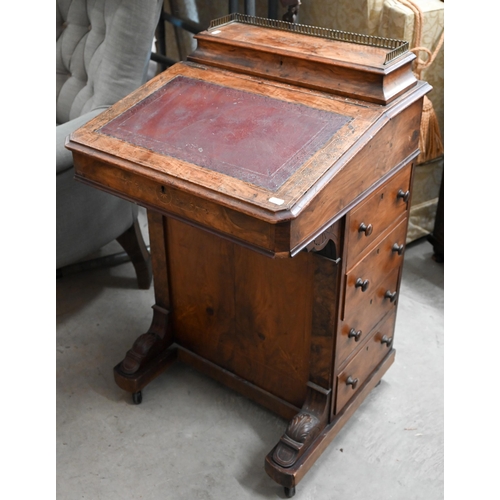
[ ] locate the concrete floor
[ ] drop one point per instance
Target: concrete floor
(192, 438)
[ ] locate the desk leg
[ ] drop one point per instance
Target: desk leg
(151, 353)
(303, 430)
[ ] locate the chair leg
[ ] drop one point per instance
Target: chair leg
(133, 243)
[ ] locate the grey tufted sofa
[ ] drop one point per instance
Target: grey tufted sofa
(103, 50)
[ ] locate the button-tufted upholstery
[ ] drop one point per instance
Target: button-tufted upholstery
(103, 49)
(102, 54)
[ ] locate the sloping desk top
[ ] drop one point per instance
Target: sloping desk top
(257, 160)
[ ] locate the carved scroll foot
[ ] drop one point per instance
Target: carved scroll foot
(303, 429)
(146, 347)
(149, 356)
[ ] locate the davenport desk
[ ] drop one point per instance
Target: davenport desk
(276, 166)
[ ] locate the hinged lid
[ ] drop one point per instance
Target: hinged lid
(364, 67)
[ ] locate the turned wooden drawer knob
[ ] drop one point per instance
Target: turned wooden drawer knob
(404, 195)
(386, 340)
(390, 295)
(363, 228)
(353, 334)
(363, 284)
(398, 248)
(353, 382)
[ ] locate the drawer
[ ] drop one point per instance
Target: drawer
(378, 297)
(361, 317)
(371, 354)
(375, 214)
(386, 256)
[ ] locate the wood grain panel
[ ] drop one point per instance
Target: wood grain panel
(273, 324)
(243, 311)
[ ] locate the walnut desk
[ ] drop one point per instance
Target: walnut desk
(276, 166)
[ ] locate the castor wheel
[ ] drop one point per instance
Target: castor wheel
(137, 397)
(289, 492)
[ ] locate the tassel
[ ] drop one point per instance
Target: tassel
(431, 141)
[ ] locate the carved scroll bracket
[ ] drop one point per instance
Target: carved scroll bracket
(307, 425)
(148, 345)
(326, 243)
(304, 427)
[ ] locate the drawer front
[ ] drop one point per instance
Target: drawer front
(379, 294)
(360, 320)
(386, 256)
(374, 215)
(371, 354)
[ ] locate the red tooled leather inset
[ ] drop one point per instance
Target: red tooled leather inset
(251, 137)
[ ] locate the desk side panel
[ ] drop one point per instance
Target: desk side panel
(245, 312)
(395, 142)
